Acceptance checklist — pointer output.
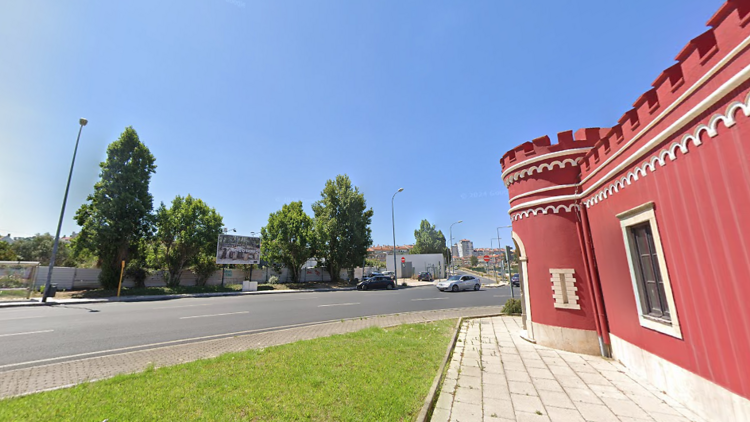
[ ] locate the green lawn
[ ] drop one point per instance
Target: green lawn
(370, 375)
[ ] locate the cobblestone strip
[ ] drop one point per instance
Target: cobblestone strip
(51, 376)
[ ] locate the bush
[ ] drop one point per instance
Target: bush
(273, 280)
(512, 306)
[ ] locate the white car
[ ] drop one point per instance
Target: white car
(460, 282)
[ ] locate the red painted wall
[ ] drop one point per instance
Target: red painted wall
(702, 207)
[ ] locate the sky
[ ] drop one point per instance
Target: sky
(249, 105)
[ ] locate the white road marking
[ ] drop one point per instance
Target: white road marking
(24, 317)
(203, 338)
(30, 332)
(299, 298)
(339, 304)
(182, 306)
(499, 295)
(213, 315)
(430, 298)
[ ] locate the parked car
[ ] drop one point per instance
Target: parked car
(515, 280)
(379, 282)
(389, 274)
(424, 276)
(374, 274)
(460, 282)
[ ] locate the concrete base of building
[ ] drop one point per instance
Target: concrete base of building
(705, 398)
(569, 339)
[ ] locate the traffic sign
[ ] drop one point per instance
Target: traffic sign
(403, 259)
(486, 258)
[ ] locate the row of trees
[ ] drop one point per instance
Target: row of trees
(118, 221)
(338, 234)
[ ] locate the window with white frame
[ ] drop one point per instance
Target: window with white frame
(648, 270)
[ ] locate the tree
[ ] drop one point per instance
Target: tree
(39, 248)
(118, 214)
(428, 239)
(186, 230)
(473, 261)
(289, 238)
(342, 226)
(7, 253)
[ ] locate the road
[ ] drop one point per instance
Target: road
(41, 335)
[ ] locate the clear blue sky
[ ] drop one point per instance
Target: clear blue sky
(249, 105)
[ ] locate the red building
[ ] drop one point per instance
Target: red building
(634, 240)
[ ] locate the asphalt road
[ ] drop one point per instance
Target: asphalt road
(41, 335)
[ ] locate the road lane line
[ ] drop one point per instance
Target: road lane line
(29, 332)
(24, 317)
(430, 298)
(213, 315)
(205, 338)
(500, 295)
(339, 304)
(183, 306)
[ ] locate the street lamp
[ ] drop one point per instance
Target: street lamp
(451, 232)
(82, 122)
(393, 221)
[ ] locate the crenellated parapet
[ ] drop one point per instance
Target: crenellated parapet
(541, 154)
(706, 62)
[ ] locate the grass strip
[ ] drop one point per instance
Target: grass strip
(371, 375)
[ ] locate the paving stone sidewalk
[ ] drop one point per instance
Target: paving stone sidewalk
(495, 375)
(16, 382)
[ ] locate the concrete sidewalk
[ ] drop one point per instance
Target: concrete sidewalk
(49, 374)
(54, 301)
(495, 375)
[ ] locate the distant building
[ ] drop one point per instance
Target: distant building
(7, 239)
(465, 248)
(380, 252)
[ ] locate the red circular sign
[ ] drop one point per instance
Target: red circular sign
(403, 259)
(486, 258)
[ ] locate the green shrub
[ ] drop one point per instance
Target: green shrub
(512, 306)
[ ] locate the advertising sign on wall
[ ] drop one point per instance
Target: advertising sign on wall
(233, 249)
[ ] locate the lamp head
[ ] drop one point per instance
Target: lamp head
(460, 221)
(400, 189)
(82, 121)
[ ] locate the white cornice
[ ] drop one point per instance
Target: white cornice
(538, 191)
(685, 118)
(543, 201)
(544, 157)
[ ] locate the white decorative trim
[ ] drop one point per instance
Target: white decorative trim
(695, 111)
(544, 157)
(671, 151)
(523, 260)
(641, 214)
(544, 166)
(544, 210)
(534, 192)
(564, 289)
(543, 201)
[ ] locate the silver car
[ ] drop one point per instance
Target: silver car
(460, 282)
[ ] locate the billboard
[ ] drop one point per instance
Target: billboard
(232, 249)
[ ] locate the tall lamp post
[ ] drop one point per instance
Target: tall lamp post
(393, 221)
(82, 122)
(451, 232)
(494, 263)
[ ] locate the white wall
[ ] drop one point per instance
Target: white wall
(418, 262)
